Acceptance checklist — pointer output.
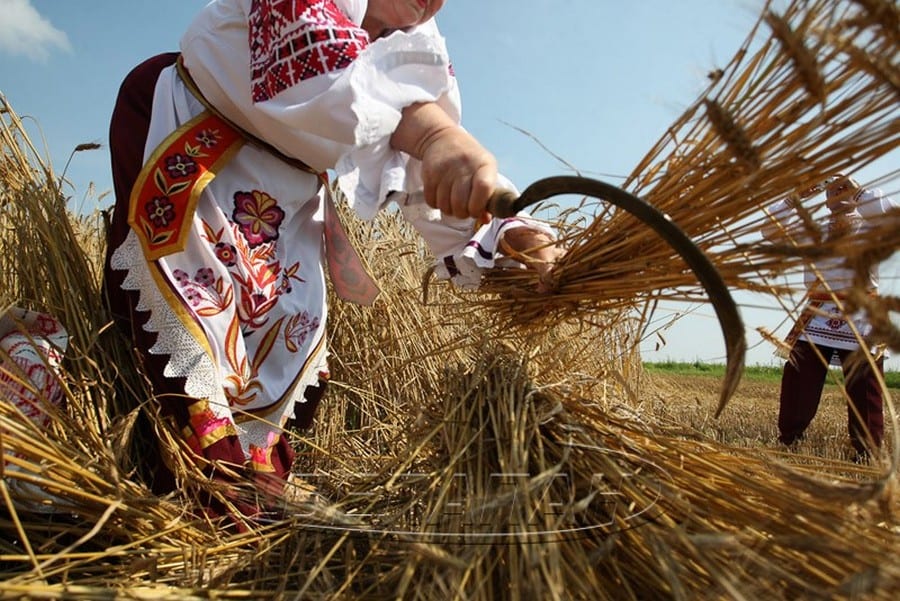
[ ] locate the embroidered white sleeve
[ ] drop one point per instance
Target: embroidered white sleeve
(462, 252)
(336, 117)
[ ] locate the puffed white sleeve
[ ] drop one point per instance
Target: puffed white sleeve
(781, 218)
(309, 82)
(464, 248)
(873, 203)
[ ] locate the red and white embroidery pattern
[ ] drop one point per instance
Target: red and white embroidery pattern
(294, 40)
(28, 362)
(39, 387)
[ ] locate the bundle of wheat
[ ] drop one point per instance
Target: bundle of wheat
(813, 91)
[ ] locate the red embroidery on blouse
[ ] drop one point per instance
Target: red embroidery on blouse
(294, 40)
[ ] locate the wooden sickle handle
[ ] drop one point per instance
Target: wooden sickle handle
(503, 203)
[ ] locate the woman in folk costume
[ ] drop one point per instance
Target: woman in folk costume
(823, 333)
(223, 218)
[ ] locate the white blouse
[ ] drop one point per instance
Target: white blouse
(305, 77)
(314, 86)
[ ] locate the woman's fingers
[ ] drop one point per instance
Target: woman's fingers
(536, 250)
(459, 175)
(483, 184)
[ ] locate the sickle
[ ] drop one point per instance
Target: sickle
(505, 204)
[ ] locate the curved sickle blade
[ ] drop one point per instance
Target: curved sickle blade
(505, 204)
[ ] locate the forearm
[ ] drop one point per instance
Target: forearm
(780, 219)
(419, 125)
(458, 173)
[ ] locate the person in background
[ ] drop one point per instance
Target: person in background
(223, 219)
(824, 334)
(32, 347)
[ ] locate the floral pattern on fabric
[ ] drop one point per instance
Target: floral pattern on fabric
(249, 282)
(168, 186)
(180, 166)
(242, 288)
(160, 211)
(258, 216)
(294, 40)
(298, 329)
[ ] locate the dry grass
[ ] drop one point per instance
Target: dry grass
(466, 459)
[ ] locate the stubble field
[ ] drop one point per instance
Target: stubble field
(688, 403)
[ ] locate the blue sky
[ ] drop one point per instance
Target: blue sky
(596, 82)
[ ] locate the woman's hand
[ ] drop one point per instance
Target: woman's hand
(459, 177)
(534, 248)
(458, 173)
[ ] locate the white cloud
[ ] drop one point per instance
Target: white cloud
(23, 31)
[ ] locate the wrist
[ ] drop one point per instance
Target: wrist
(421, 124)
